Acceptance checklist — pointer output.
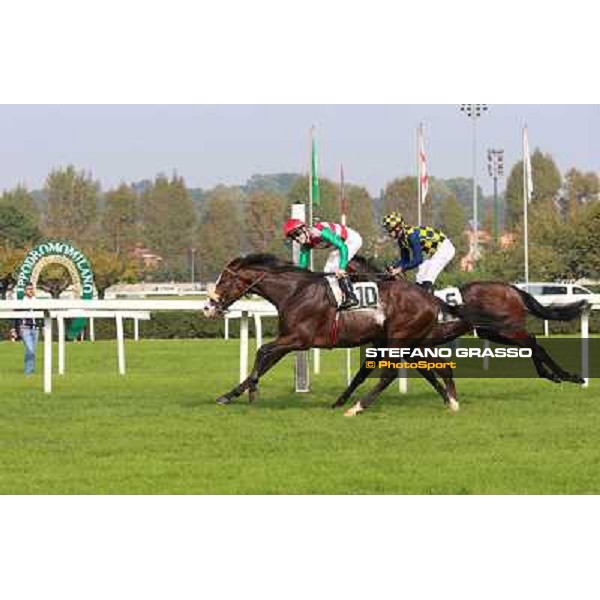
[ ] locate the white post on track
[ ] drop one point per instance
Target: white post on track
(316, 361)
(48, 354)
(585, 347)
(120, 345)
(403, 381)
(136, 329)
(92, 330)
(243, 346)
(348, 366)
(258, 330)
(61, 345)
(546, 329)
(226, 327)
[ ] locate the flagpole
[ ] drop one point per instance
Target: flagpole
(310, 177)
(316, 352)
(419, 174)
(343, 207)
(525, 203)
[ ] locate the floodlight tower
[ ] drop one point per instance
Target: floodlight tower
(495, 170)
(474, 111)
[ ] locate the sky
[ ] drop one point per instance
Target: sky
(212, 144)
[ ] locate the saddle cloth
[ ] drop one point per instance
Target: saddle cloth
(366, 291)
(450, 295)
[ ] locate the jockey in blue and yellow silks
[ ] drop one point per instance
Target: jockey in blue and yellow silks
(424, 247)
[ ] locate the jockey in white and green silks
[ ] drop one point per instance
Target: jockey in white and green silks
(345, 243)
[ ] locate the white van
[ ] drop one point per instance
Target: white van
(559, 293)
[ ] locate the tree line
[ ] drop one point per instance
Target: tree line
(217, 225)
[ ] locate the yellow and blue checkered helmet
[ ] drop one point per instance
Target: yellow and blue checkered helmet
(393, 221)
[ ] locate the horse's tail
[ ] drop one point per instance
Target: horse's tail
(474, 316)
(552, 312)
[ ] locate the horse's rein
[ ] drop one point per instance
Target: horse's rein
(216, 297)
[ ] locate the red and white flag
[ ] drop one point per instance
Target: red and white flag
(423, 175)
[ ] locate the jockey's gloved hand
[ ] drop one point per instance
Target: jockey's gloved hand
(339, 273)
(396, 271)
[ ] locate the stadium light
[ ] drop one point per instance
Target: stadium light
(474, 111)
(495, 170)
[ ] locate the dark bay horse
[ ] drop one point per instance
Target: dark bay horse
(307, 317)
(508, 304)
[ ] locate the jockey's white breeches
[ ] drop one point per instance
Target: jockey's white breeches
(432, 267)
(354, 243)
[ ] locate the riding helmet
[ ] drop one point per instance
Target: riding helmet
(393, 220)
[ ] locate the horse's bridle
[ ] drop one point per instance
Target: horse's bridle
(222, 306)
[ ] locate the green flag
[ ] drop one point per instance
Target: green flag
(314, 175)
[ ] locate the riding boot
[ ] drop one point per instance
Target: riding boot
(350, 300)
(427, 286)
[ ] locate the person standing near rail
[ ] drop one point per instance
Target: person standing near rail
(28, 330)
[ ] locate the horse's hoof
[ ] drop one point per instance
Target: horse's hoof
(223, 400)
(252, 397)
(336, 405)
(355, 410)
(453, 405)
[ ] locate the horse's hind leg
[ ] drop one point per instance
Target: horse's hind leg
(545, 365)
(560, 372)
(432, 380)
(524, 340)
(449, 392)
(357, 380)
(386, 378)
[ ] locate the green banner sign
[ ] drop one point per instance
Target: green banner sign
(52, 252)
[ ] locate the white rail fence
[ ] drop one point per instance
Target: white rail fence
(59, 310)
(139, 309)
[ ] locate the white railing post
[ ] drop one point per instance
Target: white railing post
(61, 345)
(403, 381)
(258, 330)
(120, 345)
(348, 366)
(585, 347)
(48, 354)
(243, 346)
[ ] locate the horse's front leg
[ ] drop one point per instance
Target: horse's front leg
(251, 381)
(260, 369)
(267, 357)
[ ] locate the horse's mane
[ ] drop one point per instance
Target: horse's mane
(269, 262)
(273, 264)
(366, 265)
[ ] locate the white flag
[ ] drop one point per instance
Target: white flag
(527, 166)
(423, 176)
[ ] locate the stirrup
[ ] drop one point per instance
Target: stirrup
(348, 303)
